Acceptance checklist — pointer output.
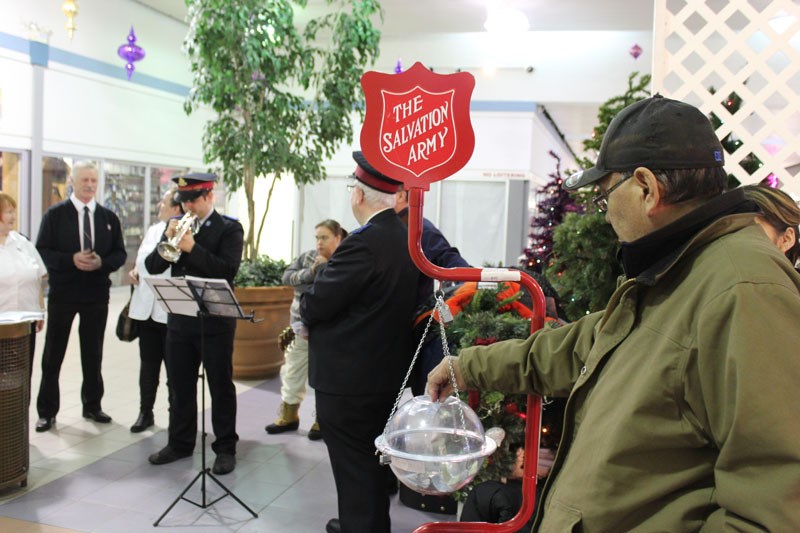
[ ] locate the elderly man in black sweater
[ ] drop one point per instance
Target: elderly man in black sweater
(81, 244)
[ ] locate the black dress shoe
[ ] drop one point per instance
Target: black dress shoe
(45, 423)
(224, 464)
(333, 526)
(167, 455)
(97, 416)
(144, 421)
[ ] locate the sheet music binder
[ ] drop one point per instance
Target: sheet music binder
(190, 295)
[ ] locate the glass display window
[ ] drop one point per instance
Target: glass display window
(220, 196)
(130, 190)
(9, 176)
(55, 182)
(160, 183)
(124, 194)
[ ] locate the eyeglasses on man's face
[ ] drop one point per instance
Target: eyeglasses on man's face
(601, 200)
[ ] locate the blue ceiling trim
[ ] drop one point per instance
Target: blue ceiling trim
(58, 55)
(88, 64)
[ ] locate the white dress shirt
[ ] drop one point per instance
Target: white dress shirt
(79, 206)
(143, 302)
(21, 273)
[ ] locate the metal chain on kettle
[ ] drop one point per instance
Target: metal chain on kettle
(444, 312)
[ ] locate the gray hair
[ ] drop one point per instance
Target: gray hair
(80, 165)
(375, 198)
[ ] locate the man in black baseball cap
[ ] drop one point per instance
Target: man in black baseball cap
(673, 387)
(657, 133)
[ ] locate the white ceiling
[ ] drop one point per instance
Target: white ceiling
(404, 18)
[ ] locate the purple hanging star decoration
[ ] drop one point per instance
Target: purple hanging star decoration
(131, 53)
(772, 181)
(635, 51)
(398, 68)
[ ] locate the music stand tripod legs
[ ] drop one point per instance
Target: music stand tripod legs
(204, 470)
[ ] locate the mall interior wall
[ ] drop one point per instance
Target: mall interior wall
(70, 99)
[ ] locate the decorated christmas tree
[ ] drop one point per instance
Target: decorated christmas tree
(553, 203)
(583, 267)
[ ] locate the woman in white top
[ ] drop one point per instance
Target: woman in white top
(152, 318)
(21, 270)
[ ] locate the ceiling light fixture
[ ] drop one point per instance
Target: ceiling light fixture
(70, 10)
(504, 19)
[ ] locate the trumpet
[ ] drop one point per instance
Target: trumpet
(169, 249)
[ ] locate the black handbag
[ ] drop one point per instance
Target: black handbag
(127, 327)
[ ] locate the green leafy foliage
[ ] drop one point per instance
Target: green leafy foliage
(261, 272)
(283, 95)
(637, 90)
(584, 269)
(485, 320)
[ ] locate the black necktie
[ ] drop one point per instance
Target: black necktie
(87, 229)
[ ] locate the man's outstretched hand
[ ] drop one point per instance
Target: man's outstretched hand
(440, 386)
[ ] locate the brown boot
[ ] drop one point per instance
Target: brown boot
(287, 419)
(314, 433)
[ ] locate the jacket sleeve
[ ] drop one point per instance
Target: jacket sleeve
(743, 391)
(221, 264)
(547, 363)
(339, 283)
(298, 274)
(47, 243)
(154, 263)
(116, 255)
(438, 250)
(149, 244)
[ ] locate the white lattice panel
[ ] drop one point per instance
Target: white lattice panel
(750, 48)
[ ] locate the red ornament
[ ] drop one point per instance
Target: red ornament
(511, 408)
(474, 399)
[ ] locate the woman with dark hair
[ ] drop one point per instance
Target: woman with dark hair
(780, 216)
(294, 372)
(152, 318)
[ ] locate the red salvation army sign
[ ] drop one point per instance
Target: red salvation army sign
(417, 126)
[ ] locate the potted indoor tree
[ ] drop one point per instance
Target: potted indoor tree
(284, 86)
(260, 290)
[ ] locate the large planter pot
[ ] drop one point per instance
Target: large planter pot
(256, 353)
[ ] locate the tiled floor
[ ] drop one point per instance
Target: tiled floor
(95, 478)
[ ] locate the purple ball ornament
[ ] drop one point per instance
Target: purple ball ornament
(635, 51)
(131, 53)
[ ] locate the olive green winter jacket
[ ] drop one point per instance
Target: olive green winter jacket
(684, 394)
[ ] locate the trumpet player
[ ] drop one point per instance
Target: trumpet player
(212, 249)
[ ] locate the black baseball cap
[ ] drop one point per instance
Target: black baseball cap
(657, 133)
(193, 185)
(368, 175)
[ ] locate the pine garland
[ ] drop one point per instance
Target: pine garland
(487, 320)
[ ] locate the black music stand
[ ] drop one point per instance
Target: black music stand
(203, 298)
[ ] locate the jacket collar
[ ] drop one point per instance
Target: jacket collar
(646, 258)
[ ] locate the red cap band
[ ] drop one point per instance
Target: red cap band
(197, 186)
(375, 182)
